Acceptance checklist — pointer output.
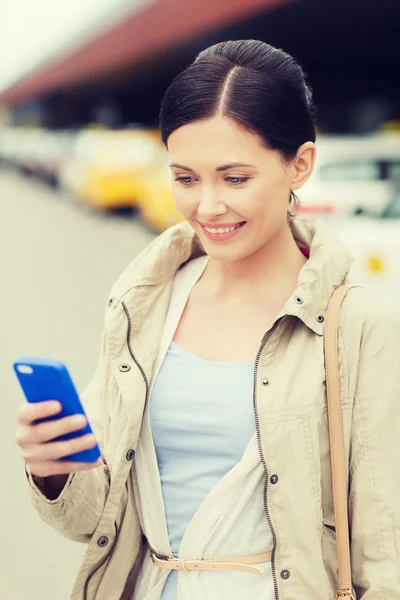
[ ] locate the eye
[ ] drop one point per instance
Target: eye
(236, 180)
(187, 180)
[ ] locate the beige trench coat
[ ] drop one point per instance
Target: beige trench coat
(97, 507)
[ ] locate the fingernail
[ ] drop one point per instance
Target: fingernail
(78, 420)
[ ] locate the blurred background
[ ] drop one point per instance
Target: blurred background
(84, 183)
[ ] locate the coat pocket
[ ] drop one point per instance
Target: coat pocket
(330, 528)
(329, 553)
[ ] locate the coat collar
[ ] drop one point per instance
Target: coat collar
(326, 269)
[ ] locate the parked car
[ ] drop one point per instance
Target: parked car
(375, 242)
(31, 147)
(352, 175)
(55, 150)
(104, 168)
(13, 141)
(156, 203)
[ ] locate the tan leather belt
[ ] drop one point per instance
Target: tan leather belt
(241, 563)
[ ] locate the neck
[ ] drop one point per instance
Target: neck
(276, 264)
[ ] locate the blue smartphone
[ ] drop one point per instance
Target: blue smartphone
(44, 379)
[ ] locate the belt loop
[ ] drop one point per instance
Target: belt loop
(184, 564)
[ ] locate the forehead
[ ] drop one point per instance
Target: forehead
(216, 140)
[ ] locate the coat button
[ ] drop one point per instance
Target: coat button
(274, 479)
(130, 455)
(320, 318)
(102, 541)
(285, 574)
(265, 381)
(298, 300)
(124, 368)
(110, 302)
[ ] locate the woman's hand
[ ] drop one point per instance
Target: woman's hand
(40, 454)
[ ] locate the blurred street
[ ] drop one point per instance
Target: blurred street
(58, 264)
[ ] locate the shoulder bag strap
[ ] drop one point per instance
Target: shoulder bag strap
(338, 467)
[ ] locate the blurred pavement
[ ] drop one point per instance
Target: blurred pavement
(58, 262)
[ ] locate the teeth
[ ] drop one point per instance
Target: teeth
(221, 229)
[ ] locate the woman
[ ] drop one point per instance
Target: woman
(209, 398)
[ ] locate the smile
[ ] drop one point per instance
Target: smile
(220, 234)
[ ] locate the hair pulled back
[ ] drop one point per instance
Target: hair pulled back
(261, 87)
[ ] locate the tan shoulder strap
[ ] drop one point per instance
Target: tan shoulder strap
(338, 467)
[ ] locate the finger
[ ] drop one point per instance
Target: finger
(56, 450)
(44, 432)
(24, 436)
(29, 435)
(30, 412)
(49, 468)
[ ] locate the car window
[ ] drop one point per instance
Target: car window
(354, 170)
(392, 211)
(393, 170)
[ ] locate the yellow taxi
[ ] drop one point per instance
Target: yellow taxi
(156, 203)
(105, 166)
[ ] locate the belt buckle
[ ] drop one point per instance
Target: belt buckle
(153, 554)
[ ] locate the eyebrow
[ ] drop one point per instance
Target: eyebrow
(218, 169)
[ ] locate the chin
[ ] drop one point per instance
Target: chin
(224, 255)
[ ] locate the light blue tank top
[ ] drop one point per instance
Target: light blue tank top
(202, 419)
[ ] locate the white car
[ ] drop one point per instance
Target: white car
(375, 243)
(12, 140)
(30, 147)
(56, 149)
(352, 175)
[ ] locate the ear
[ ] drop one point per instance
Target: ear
(303, 164)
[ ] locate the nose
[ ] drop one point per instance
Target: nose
(210, 205)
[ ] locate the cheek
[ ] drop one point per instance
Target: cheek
(254, 202)
(184, 200)
(269, 197)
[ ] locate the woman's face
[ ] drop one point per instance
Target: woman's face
(224, 178)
